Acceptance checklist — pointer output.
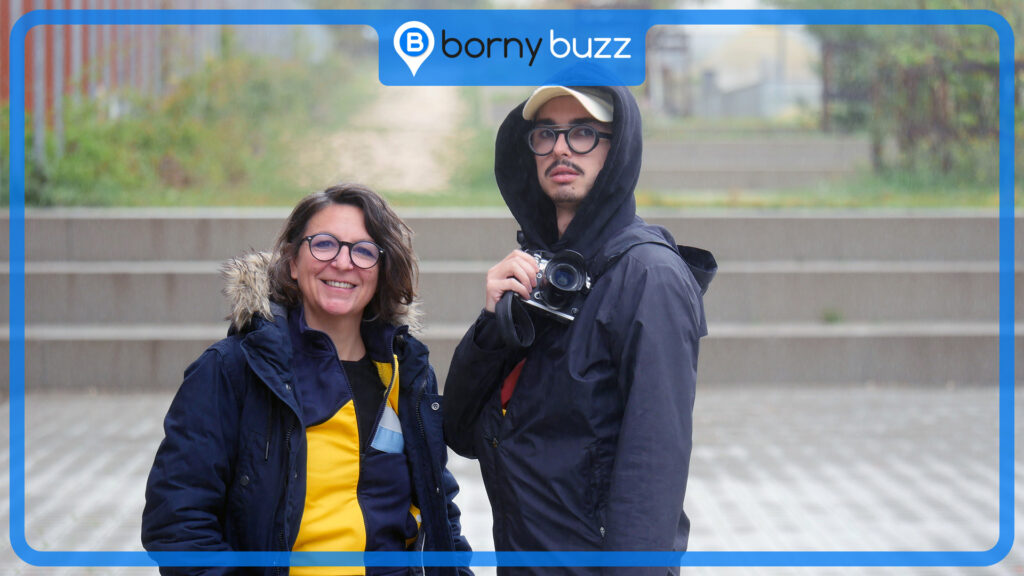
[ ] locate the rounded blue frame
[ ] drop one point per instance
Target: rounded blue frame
(386, 22)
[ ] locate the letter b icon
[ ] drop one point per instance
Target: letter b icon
(414, 42)
(410, 45)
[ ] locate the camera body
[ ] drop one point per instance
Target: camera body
(562, 284)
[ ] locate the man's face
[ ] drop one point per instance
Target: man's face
(565, 176)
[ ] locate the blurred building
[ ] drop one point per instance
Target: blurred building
(754, 71)
(733, 71)
(669, 70)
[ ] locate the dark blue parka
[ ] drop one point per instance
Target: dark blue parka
(593, 451)
(230, 472)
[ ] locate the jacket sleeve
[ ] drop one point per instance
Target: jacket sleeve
(659, 336)
(185, 493)
(478, 365)
(451, 489)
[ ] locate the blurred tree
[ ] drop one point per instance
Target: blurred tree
(930, 90)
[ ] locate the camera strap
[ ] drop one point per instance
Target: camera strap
(514, 321)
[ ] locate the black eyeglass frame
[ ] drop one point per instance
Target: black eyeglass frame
(341, 244)
(565, 129)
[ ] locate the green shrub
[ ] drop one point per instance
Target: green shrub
(223, 135)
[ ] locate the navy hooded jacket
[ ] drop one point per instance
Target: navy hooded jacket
(230, 472)
(593, 450)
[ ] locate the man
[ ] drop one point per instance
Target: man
(584, 437)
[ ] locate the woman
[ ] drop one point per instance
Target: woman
(315, 425)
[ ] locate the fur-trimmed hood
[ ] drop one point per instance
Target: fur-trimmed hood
(247, 288)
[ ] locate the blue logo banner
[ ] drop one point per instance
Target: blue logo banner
(514, 47)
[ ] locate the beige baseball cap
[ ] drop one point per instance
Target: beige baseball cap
(596, 102)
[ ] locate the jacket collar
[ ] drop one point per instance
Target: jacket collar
(268, 348)
(266, 344)
(263, 325)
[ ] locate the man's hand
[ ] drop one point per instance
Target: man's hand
(516, 273)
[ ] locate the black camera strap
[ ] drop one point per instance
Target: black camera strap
(514, 321)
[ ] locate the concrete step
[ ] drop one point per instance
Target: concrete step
(789, 291)
(220, 233)
(675, 180)
(451, 292)
(488, 234)
(750, 163)
(779, 154)
(831, 292)
(153, 357)
(146, 292)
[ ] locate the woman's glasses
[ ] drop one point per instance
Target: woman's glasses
(325, 247)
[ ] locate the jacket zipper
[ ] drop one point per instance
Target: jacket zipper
(270, 423)
(423, 429)
(364, 443)
(497, 509)
(288, 444)
(423, 434)
(422, 390)
(423, 548)
(387, 391)
(499, 505)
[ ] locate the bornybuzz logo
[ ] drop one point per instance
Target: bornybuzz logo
(560, 47)
(414, 41)
(511, 53)
(510, 48)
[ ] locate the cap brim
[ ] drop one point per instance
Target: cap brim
(596, 106)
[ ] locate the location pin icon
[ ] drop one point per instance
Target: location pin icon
(414, 42)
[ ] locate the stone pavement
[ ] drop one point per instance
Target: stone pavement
(845, 468)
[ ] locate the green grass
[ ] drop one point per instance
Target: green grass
(867, 190)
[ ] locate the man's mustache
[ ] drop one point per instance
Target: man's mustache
(563, 162)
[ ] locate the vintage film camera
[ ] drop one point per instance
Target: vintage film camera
(562, 285)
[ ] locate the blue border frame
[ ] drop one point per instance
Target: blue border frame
(381, 19)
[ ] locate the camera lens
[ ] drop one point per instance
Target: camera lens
(564, 277)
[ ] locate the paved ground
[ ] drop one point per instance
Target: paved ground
(777, 469)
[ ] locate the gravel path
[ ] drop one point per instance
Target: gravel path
(406, 140)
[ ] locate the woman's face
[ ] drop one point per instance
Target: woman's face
(335, 290)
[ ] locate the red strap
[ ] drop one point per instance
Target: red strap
(510, 383)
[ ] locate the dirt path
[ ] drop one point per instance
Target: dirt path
(402, 142)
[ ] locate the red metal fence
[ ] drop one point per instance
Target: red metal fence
(91, 61)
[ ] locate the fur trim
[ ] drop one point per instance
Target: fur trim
(247, 287)
(413, 317)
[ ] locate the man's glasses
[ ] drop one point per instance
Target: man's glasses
(325, 247)
(581, 138)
